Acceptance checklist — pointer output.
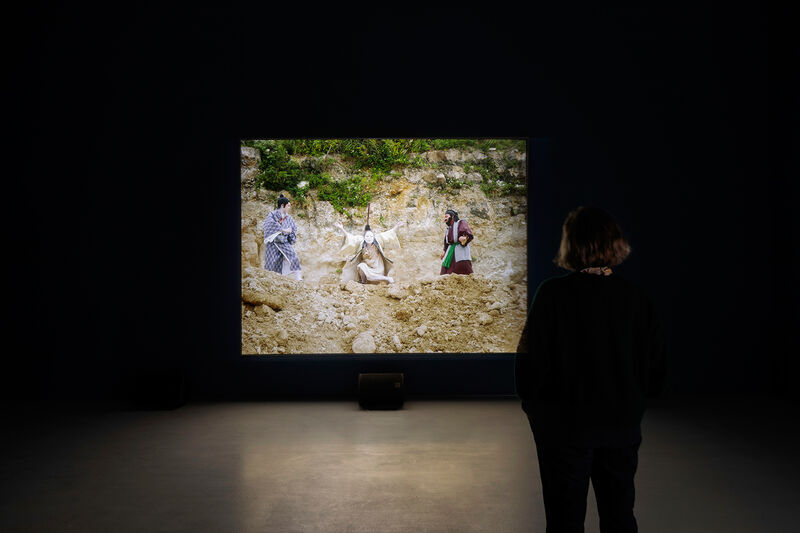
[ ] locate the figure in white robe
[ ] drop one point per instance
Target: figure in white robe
(364, 257)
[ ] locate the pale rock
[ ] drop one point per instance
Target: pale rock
(421, 330)
(435, 156)
(353, 286)
(396, 341)
(412, 175)
(256, 295)
(431, 177)
(473, 177)
(396, 292)
(455, 173)
(484, 319)
(250, 250)
(250, 157)
(364, 343)
(264, 310)
(453, 155)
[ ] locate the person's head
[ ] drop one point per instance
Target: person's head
(590, 237)
(369, 237)
(283, 202)
(450, 216)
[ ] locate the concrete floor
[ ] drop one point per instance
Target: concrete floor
(725, 465)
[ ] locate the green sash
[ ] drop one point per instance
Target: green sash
(449, 257)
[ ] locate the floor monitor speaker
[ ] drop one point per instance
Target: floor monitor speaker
(381, 390)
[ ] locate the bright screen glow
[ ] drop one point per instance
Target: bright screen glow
(316, 281)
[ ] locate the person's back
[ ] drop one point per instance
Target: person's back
(604, 356)
(590, 353)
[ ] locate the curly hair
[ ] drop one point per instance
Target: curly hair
(590, 237)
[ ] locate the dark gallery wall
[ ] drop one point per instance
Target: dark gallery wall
(123, 196)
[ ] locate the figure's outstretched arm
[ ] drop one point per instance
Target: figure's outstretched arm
(388, 239)
(341, 228)
(350, 242)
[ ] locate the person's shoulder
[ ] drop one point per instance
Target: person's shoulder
(553, 283)
(635, 289)
(628, 284)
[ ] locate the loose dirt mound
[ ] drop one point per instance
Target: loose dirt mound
(470, 314)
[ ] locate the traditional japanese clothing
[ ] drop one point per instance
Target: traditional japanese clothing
(279, 255)
(368, 258)
(457, 259)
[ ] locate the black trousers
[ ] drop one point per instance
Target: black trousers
(566, 470)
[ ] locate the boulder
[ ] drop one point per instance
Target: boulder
(473, 177)
(250, 250)
(264, 310)
(435, 156)
(431, 177)
(396, 292)
(354, 286)
(258, 296)
(364, 343)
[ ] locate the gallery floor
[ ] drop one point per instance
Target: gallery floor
(706, 465)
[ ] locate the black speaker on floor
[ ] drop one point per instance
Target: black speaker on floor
(380, 391)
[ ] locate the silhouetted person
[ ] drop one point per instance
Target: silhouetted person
(592, 349)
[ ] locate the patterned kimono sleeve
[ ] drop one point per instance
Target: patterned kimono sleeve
(350, 244)
(270, 226)
(292, 237)
(388, 239)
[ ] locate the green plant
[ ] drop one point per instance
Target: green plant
(375, 159)
(352, 192)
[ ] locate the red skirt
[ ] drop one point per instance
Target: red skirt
(458, 267)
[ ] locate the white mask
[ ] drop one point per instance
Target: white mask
(369, 237)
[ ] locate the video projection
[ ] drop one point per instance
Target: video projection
(358, 246)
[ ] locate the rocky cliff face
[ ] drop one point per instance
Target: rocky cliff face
(421, 311)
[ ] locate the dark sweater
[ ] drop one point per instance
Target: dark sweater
(591, 351)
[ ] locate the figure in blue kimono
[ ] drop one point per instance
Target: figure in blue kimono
(364, 258)
(280, 233)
